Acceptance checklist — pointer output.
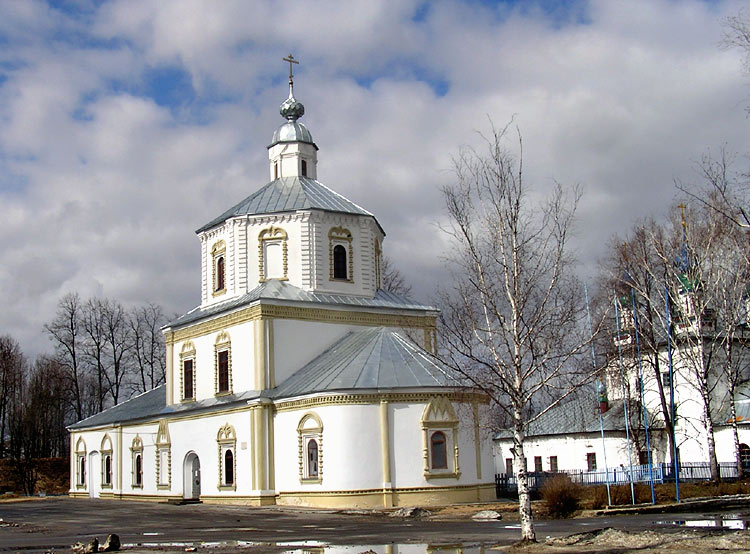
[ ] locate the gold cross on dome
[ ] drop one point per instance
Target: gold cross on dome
(682, 212)
(291, 60)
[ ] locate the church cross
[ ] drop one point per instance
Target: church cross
(291, 60)
(682, 211)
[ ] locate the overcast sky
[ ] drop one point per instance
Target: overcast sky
(125, 126)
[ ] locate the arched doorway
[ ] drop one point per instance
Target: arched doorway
(94, 474)
(191, 477)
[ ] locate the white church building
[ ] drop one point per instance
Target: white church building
(297, 380)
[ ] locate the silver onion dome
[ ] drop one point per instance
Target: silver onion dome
(292, 131)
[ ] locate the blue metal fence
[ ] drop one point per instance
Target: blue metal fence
(661, 473)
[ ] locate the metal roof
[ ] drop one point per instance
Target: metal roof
(292, 131)
(289, 194)
(581, 415)
(143, 406)
(284, 291)
(373, 358)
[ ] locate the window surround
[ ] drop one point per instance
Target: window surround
(339, 236)
(226, 439)
(81, 463)
(219, 274)
(136, 451)
(106, 458)
(439, 416)
(310, 428)
(269, 235)
(163, 449)
(222, 344)
(187, 352)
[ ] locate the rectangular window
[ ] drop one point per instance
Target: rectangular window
(187, 370)
(553, 463)
(665, 380)
(538, 464)
(509, 466)
(591, 461)
(223, 361)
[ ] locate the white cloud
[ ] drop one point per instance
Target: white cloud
(101, 187)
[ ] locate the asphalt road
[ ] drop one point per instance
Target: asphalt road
(57, 522)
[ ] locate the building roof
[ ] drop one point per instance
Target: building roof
(373, 358)
(580, 415)
(143, 406)
(289, 194)
(283, 291)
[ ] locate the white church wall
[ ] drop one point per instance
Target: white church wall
(298, 342)
(350, 444)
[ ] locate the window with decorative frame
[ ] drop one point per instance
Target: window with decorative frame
(80, 463)
(187, 371)
(440, 439)
(219, 264)
(310, 448)
(106, 457)
(341, 254)
(226, 440)
(163, 456)
(273, 256)
(223, 364)
(136, 455)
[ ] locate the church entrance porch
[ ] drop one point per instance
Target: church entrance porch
(191, 477)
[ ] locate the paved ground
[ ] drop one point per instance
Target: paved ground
(53, 524)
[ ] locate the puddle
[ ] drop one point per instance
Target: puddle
(735, 521)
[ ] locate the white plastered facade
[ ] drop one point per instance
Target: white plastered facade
(222, 437)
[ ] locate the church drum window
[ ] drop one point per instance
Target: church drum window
(219, 264)
(339, 262)
(438, 453)
(304, 168)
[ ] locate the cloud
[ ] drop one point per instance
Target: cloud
(124, 126)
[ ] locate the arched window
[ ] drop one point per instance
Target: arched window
(187, 368)
(312, 458)
(82, 472)
(187, 376)
(219, 263)
(107, 470)
(228, 468)
(220, 273)
(438, 453)
(138, 470)
(745, 455)
(339, 262)
(227, 440)
(341, 255)
(304, 168)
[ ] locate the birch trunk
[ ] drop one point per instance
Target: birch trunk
(524, 498)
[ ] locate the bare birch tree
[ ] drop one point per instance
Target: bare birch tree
(512, 321)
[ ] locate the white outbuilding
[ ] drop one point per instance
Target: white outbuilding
(297, 380)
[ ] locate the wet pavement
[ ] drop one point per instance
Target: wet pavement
(57, 522)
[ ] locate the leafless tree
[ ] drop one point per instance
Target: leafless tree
(11, 375)
(93, 316)
(67, 335)
(148, 346)
(513, 320)
(393, 279)
(118, 342)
